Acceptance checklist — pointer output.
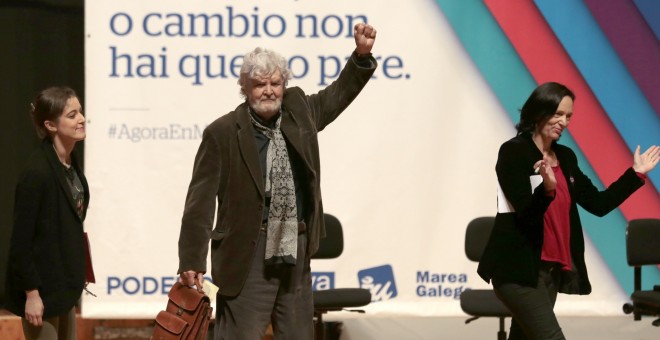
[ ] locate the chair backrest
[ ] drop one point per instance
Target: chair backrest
(332, 245)
(476, 236)
(643, 242)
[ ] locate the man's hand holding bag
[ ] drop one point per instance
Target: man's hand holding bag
(186, 316)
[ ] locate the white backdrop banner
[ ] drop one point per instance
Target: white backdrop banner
(405, 167)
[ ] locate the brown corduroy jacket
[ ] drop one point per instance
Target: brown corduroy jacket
(227, 172)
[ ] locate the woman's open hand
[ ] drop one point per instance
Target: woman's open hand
(645, 162)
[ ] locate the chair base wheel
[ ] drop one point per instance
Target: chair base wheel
(628, 308)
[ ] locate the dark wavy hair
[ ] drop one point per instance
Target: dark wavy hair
(49, 106)
(541, 105)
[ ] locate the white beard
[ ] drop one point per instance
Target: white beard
(263, 108)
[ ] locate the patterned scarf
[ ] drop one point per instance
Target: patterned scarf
(282, 232)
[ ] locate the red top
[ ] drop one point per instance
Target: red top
(556, 225)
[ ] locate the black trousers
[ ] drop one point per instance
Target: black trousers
(533, 308)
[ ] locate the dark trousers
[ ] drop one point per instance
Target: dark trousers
(281, 295)
(61, 327)
(533, 308)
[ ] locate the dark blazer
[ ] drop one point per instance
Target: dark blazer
(47, 249)
(227, 170)
(513, 253)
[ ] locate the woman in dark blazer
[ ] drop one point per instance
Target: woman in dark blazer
(47, 257)
(536, 248)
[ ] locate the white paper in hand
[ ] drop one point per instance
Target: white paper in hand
(210, 289)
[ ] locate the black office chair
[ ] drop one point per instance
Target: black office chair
(338, 298)
(481, 302)
(643, 248)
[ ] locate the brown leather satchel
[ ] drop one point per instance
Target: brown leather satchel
(187, 314)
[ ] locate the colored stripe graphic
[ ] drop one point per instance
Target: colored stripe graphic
(511, 82)
(546, 59)
(607, 77)
(650, 9)
(635, 44)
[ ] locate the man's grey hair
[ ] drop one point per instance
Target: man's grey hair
(262, 62)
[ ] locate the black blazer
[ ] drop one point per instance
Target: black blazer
(513, 252)
(47, 249)
(227, 172)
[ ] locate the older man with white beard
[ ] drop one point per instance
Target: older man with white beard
(261, 164)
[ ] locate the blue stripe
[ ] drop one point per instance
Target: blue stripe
(607, 76)
(509, 79)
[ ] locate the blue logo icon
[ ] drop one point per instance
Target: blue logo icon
(323, 280)
(379, 281)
